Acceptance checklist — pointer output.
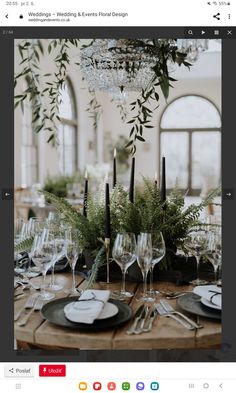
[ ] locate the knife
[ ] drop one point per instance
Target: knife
(137, 317)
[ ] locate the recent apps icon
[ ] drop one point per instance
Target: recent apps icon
(97, 386)
(111, 386)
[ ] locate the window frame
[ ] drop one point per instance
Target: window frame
(190, 131)
(72, 123)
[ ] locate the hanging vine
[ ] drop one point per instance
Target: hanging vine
(45, 89)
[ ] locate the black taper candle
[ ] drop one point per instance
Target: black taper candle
(131, 186)
(107, 209)
(114, 169)
(163, 180)
(85, 195)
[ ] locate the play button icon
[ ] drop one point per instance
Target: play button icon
(203, 32)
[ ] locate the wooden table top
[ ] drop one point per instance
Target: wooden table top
(166, 333)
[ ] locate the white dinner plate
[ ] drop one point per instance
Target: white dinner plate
(209, 304)
(109, 310)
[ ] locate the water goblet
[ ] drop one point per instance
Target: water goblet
(158, 253)
(197, 245)
(144, 258)
(124, 254)
(42, 257)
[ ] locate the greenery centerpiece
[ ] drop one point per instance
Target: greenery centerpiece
(146, 214)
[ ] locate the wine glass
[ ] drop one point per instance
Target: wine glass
(144, 258)
(72, 254)
(124, 253)
(215, 252)
(43, 258)
(158, 252)
(19, 226)
(197, 245)
(60, 251)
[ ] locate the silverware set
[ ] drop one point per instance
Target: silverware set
(143, 320)
(145, 317)
(33, 303)
(173, 295)
(170, 311)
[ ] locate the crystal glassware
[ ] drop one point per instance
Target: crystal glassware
(215, 252)
(197, 245)
(144, 258)
(124, 254)
(158, 253)
(42, 256)
(72, 254)
(60, 252)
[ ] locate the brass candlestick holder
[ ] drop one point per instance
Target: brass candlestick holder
(107, 247)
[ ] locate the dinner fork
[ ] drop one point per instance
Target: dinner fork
(37, 307)
(163, 312)
(171, 310)
(29, 304)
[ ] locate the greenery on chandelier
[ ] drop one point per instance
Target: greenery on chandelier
(44, 89)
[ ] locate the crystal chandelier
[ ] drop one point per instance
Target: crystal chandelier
(123, 65)
(192, 48)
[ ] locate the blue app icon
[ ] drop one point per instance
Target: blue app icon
(140, 385)
(154, 386)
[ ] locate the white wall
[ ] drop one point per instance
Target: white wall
(203, 79)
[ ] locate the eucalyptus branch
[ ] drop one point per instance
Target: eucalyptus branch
(94, 109)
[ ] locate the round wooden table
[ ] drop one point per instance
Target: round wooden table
(166, 333)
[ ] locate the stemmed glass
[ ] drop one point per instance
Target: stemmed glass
(197, 245)
(60, 251)
(124, 253)
(144, 258)
(43, 258)
(72, 254)
(18, 236)
(158, 252)
(215, 254)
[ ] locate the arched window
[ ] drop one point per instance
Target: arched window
(67, 132)
(190, 139)
(29, 146)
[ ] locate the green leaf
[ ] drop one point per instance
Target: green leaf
(140, 138)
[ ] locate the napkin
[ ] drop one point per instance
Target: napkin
(88, 307)
(207, 292)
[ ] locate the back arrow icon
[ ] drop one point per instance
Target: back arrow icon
(6, 16)
(221, 385)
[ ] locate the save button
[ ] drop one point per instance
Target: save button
(52, 370)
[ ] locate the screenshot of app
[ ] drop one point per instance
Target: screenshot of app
(117, 196)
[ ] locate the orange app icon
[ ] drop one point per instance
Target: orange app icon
(83, 386)
(111, 386)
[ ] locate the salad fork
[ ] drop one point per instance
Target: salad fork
(168, 308)
(161, 311)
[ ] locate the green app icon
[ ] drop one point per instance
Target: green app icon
(126, 386)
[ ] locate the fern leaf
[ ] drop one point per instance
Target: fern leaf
(24, 245)
(95, 268)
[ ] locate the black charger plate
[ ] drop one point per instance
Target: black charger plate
(191, 303)
(54, 313)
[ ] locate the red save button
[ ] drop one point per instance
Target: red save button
(52, 370)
